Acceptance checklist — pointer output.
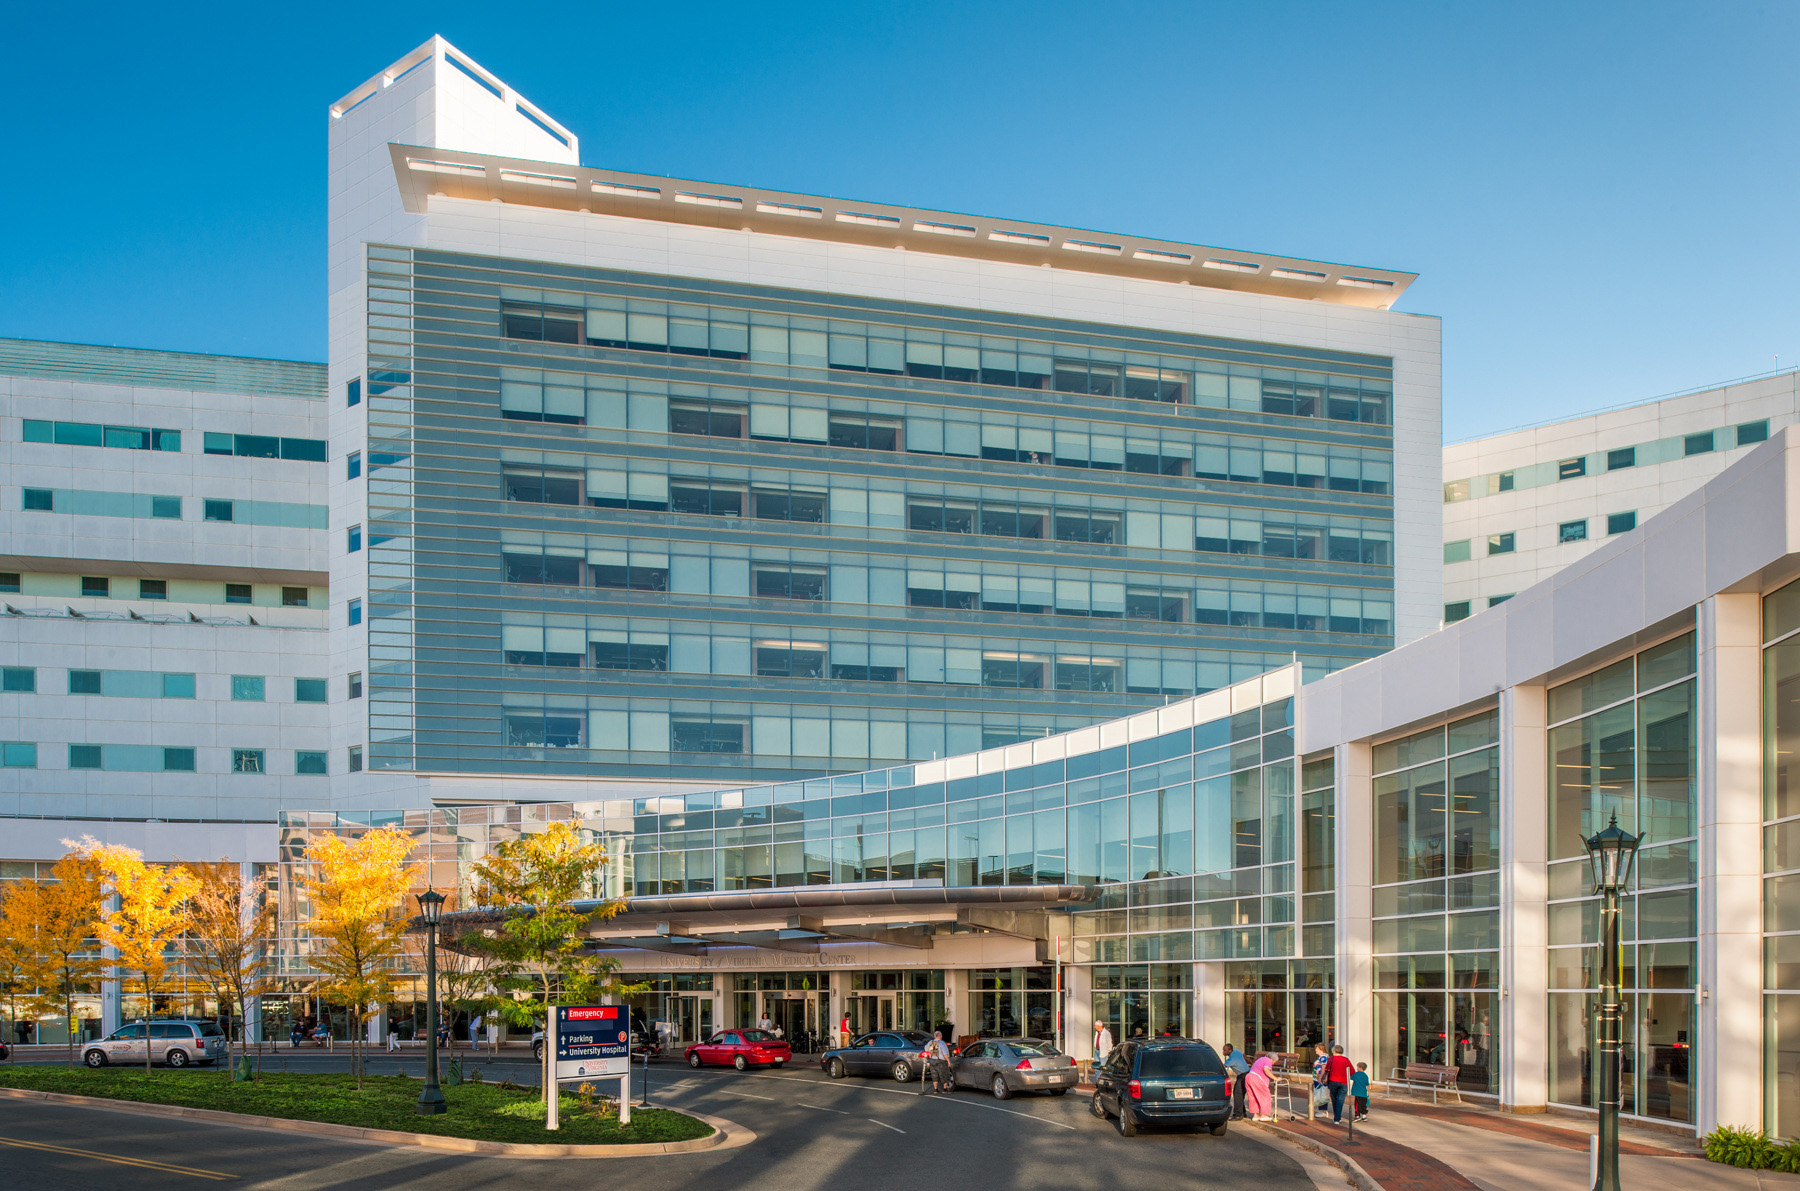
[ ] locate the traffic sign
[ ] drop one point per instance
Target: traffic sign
(592, 1041)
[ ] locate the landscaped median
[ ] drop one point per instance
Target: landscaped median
(479, 1112)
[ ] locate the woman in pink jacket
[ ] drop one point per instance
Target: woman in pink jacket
(1259, 1090)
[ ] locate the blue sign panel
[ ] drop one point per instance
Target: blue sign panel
(592, 1041)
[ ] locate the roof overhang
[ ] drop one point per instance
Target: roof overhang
(424, 172)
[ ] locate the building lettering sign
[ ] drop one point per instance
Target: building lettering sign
(592, 1041)
(765, 960)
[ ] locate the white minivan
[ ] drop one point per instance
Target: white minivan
(177, 1042)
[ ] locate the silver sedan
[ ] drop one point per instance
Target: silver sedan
(1006, 1066)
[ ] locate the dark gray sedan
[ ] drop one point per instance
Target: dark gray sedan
(893, 1053)
(1006, 1066)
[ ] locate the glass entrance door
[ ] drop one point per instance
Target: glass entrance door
(871, 1011)
(693, 1018)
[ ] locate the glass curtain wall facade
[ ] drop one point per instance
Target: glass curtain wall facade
(1436, 901)
(1622, 741)
(735, 533)
(1781, 860)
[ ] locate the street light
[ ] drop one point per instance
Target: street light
(1612, 853)
(431, 1098)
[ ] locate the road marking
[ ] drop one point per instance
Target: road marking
(850, 1087)
(142, 1163)
(883, 1124)
(820, 1108)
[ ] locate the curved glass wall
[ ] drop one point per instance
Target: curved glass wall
(1781, 860)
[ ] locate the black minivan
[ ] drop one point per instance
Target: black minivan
(1162, 1081)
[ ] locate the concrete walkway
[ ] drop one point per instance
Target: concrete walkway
(1404, 1146)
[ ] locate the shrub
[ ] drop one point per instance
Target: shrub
(1746, 1148)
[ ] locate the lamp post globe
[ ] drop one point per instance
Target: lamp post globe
(431, 1097)
(1612, 853)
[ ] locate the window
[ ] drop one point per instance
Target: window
(215, 443)
(1572, 531)
(9, 581)
(165, 508)
(217, 510)
(353, 685)
(790, 659)
(706, 498)
(247, 761)
(1504, 482)
(711, 419)
(553, 569)
(178, 760)
(1500, 543)
(1621, 522)
(1697, 444)
(706, 736)
(353, 465)
(237, 593)
(355, 612)
(309, 690)
(18, 678)
(1568, 469)
(178, 686)
(353, 391)
(1621, 458)
(309, 762)
(353, 539)
(353, 759)
(544, 729)
(39, 500)
(1149, 603)
(542, 485)
(547, 324)
(96, 585)
(84, 682)
(84, 756)
(781, 582)
(246, 688)
(783, 504)
(864, 433)
(307, 450)
(293, 597)
(1456, 611)
(1496, 601)
(1457, 551)
(1751, 432)
(17, 754)
(153, 589)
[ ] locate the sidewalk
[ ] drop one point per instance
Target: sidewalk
(1417, 1147)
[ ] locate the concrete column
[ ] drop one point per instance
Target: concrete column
(1078, 1023)
(1728, 1067)
(1524, 1043)
(1210, 1019)
(375, 1022)
(1354, 817)
(111, 1007)
(956, 1002)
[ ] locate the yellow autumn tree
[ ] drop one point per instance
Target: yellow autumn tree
(153, 911)
(232, 936)
(51, 923)
(357, 892)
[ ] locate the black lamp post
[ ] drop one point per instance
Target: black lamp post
(1612, 853)
(431, 1098)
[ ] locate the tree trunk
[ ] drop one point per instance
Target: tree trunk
(149, 1006)
(69, 1011)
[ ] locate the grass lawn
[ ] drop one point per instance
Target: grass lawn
(486, 1111)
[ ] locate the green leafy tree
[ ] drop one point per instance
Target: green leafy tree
(537, 949)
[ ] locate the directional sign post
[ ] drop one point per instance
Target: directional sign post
(591, 1042)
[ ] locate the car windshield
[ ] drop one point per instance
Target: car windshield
(1179, 1062)
(916, 1038)
(757, 1036)
(212, 1031)
(1033, 1046)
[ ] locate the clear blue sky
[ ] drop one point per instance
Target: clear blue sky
(1600, 199)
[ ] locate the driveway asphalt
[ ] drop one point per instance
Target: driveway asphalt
(813, 1134)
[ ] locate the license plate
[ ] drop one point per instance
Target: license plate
(1181, 1093)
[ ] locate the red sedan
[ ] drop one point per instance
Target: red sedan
(740, 1048)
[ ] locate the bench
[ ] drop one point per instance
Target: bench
(1435, 1076)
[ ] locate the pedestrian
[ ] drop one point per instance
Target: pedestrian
(765, 1023)
(1103, 1043)
(844, 1030)
(1239, 1067)
(393, 1036)
(937, 1062)
(1320, 1097)
(1259, 1095)
(1337, 1082)
(1359, 1092)
(295, 1034)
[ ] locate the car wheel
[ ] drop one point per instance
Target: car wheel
(1097, 1108)
(537, 1051)
(694, 1058)
(177, 1058)
(780, 1063)
(835, 1069)
(1127, 1126)
(1218, 1130)
(1002, 1090)
(94, 1058)
(741, 1063)
(902, 1071)
(1059, 1091)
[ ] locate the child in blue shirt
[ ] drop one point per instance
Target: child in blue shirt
(1359, 1092)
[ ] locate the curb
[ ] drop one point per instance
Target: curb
(1358, 1177)
(726, 1134)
